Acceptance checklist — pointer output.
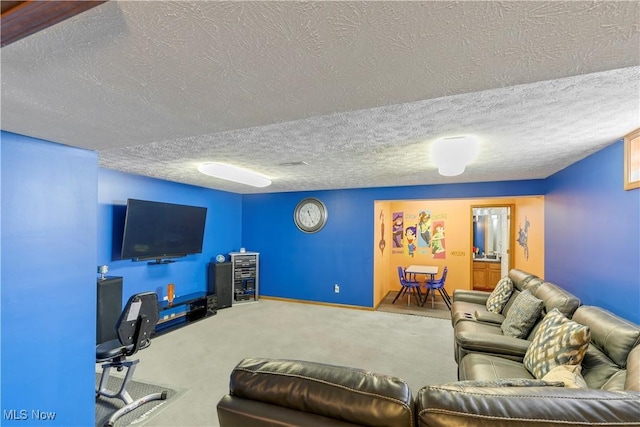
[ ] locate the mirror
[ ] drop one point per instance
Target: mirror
(490, 232)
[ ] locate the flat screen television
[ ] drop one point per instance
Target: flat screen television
(161, 231)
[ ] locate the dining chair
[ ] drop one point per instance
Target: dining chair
(437, 285)
(408, 287)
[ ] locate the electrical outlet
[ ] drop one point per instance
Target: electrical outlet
(336, 288)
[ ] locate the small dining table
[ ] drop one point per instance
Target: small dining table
(422, 269)
(430, 270)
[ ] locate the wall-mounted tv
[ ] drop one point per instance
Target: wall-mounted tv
(161, 231)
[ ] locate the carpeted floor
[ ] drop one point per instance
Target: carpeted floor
(199, 357)
(105, 407)
(439, 310)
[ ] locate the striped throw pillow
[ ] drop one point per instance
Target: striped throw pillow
(558, 341)
(500, 295)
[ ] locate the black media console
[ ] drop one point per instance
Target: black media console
(184, 310)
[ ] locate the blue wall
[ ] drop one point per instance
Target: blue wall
(306, 266)
(58, 215)
(222, 231)
(48, 281)
(478, 235)
(592, 233)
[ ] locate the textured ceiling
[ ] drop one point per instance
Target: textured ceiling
(357, 90)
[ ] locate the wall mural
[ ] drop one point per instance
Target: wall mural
(398, 224)
(523, 236)
(424, 227)
(410, 234)
(416, 234)
(437, 240)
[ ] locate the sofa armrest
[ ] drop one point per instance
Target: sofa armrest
(449, 405)
(503, 345)
(489, 317)
(348, 395)
(235, 411)
(476, 297)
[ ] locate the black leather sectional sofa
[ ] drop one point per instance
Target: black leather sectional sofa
(495, 387)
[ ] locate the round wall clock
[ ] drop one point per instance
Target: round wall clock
(310, 215)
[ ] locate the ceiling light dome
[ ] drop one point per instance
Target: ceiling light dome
(235, 174)
(452, 155)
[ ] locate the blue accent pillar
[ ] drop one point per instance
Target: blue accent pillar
(48, 282)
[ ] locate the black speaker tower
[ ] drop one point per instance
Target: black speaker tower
(109, 308)
(220, 282)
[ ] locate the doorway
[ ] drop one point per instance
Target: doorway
(492, 232)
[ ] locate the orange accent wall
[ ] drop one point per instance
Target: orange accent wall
(456, 214)
(530, 209)
(382, 258)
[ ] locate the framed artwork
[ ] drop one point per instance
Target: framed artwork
(632, 160)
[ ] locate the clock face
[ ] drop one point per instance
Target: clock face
(310, 215)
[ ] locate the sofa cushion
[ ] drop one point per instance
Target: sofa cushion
(612, 341)
(472, 296)
(500, 295)
(633, 370)
(487, 338)
(446, 406)
(613, 335)
(522, 316)
(556, 297)
(569, 375)
(616, 382)
(558, 341)
(485, 367)
(520, 278)
(533, 284)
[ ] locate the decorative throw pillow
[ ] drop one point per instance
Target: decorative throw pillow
(558, 341)
(522, 316)
(570, 375)
(500, 295)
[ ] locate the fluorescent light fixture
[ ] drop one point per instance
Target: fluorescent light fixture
(235, 174)
(452, 155)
